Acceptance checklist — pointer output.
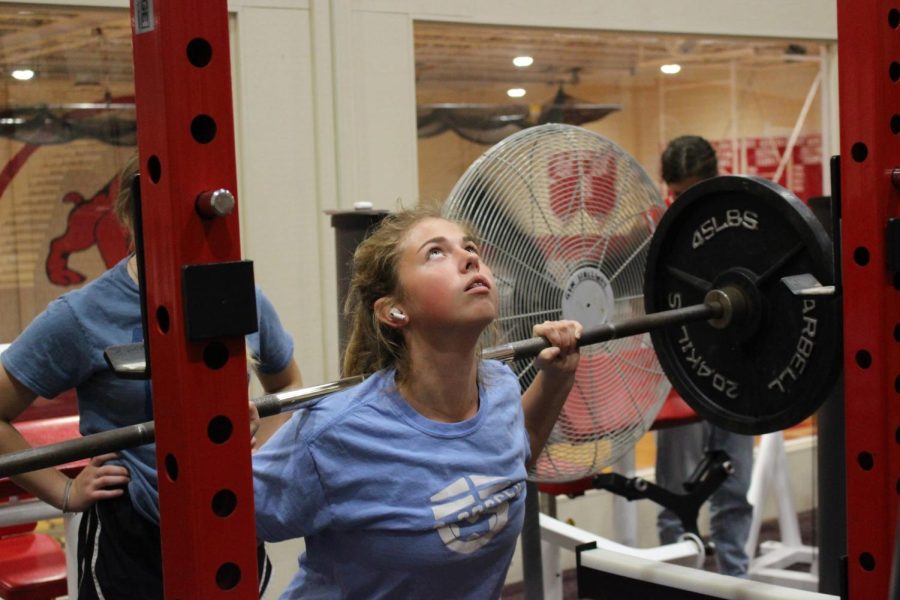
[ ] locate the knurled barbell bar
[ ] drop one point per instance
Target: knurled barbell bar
(123, 438)
(740, 307)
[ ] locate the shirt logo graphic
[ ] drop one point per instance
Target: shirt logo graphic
(472, 510)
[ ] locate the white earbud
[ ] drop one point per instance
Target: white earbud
(397, 314)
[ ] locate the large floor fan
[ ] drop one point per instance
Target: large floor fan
(566, 218)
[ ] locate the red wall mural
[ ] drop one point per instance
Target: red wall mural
(91, 222)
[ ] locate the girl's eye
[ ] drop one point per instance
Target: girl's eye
(435, 251)
(472, 248)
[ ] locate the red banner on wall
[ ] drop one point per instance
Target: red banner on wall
(761, 156)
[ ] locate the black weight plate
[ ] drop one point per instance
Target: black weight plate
(773, 368)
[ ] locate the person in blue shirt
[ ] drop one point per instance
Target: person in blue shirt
(412, 483)
(119, 554)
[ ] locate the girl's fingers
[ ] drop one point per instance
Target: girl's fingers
(102, 458)
(107, 493)
(549, 354)
(112, 470)
(563, 334)
(98, 487)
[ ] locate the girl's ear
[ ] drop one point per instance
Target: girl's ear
(389, 312)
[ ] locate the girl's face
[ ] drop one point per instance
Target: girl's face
(442, 279)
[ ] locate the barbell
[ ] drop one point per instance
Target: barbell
(740, 305)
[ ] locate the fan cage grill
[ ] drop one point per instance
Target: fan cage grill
(566, 218)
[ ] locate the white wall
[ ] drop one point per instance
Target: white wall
(282, 223)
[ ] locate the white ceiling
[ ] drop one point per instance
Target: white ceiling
(87, 52)
(457, 62)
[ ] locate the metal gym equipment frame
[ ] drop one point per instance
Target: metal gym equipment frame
(182, 78)
(869, 70)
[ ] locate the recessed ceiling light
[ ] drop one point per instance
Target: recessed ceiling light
(670, 69)
(523, 61)
(515, 92)
(22, 74)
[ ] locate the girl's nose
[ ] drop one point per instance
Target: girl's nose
(470, 262)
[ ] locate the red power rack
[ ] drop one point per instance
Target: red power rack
(186, 147)
(869, 72)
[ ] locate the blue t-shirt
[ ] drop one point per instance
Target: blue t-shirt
(392, 504)
(63, 348)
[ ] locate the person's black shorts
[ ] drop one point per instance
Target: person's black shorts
(120, 556)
